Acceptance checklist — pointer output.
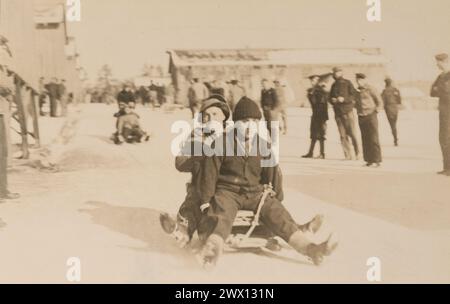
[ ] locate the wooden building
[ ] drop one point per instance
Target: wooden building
(291, 66)
(33, 44)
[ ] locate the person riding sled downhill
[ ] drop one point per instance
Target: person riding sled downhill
(236, 182)
(192, 215)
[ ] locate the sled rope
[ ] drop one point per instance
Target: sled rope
(267, 191)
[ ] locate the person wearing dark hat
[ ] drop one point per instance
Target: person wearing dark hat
(368, 105)
(269, 104)
(5, 194)
(235, 182)
(342, 97)
(236, 92)
(318, 98)
(391, 100)
(441, 90)
(189, 217)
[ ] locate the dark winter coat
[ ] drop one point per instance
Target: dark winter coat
(345, 89)
(391, 99)
(239, 174)
(318, 98)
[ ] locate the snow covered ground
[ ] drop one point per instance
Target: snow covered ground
(103, 207)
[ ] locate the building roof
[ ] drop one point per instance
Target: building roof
(323, 56)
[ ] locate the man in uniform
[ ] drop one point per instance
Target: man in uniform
(391, 100)
(4, 116)
(441, 90)
(342, 97)
(318, 98)
(367, 106)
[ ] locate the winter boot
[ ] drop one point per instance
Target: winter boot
(176, 228)
(310, 154)
(322, 149)
(211, 251)
(313, 225)
(315, 252)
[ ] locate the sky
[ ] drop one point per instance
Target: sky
(126, 34)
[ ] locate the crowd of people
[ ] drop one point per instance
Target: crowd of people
(340, 94)
(155, 95)
(273, 97)
(344, 99)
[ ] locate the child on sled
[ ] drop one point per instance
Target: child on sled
(128, 126)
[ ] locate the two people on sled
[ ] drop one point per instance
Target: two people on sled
(224, 183)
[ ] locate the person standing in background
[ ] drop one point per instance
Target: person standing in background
(391, 101)
(197, 93)
(318, 98)
(269, 104)
(169, 94)
(282, 104)
(62, 93)
(5, 194)
(441, 90)
(53, 92)
(153, 94)
(42, 96)
(342, 97)
(236, 92)
(368, 105)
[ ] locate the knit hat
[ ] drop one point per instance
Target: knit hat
(216, 100)
(245, 109)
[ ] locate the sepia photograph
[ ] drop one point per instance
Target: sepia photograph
(224, 142)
